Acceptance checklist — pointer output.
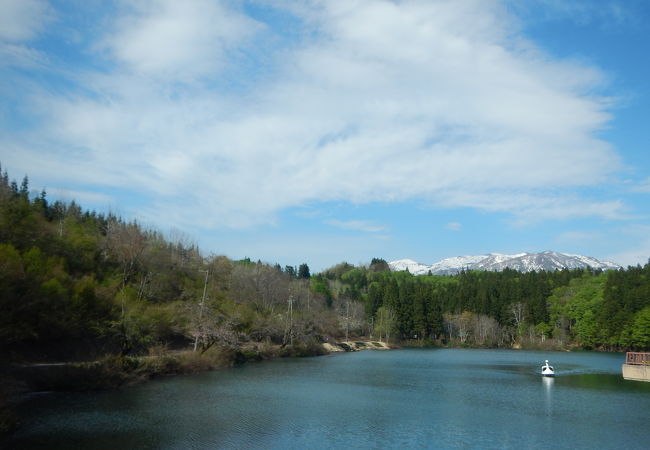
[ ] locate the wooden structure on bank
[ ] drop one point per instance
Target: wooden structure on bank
(637, 366)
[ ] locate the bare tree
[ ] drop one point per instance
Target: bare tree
(385, 322)
(126, 243)
(202, 305)
(351, 316)
(212, 327)
(487, 330)
(261, 285)
(518, 313)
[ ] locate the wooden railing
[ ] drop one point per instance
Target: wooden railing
(637, 358)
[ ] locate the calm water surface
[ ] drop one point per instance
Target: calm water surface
(445, 398)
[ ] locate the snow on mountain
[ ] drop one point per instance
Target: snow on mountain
(523, 262)
(496, 261)
(450, 266)
(408, 264)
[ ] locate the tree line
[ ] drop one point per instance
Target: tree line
(581, 307)
(76, 284)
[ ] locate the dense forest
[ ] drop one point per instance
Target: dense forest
(77, 284)
(589, 309)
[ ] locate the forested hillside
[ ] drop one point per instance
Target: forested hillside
(76, 284)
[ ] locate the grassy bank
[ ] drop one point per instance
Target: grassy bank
(114, 371)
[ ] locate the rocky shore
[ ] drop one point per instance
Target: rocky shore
(355, 346)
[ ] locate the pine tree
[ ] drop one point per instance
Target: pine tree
(24, 188)
(303, 271)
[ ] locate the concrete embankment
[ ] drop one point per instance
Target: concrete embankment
(636, 372)
(355, 346)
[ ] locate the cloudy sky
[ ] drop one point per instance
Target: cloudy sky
(323, 131)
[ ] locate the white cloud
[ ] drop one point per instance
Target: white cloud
(579, 236)
(80, 197)
(530, 206)
(642, 187)
(177, 40)
(19, 56)
(454, 226)
(22, 20)
(384, 101)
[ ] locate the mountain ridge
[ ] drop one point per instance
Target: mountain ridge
(522, 262)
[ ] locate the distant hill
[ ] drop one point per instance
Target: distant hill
(523, 262)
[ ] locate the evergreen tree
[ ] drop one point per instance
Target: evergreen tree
(379, 265)
(24, 188)
(374, 299)
(291, 271)
(303, 271)
(420, 314)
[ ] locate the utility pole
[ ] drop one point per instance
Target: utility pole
(347, 319)
(308, 293)
(205, 288)
(291, 320)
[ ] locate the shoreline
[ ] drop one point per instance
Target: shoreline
(355, 346)
(114, 372)
(17, 381)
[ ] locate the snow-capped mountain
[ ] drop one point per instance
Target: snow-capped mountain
(523, 262)
(410, 265)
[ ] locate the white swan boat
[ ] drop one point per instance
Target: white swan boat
(547, 371)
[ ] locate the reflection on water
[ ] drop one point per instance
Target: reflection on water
(548, 384)
(605, 381)
(448, 398)
(548, 393)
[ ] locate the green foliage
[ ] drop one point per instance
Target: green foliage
(374, 298)
(543, 330)
(589, 308)
(573, 308)
(319, 285)
(291, 271)
(355, 281)
(385, 322)
(336, 272)
(626, 293)
(378, 265)
(303, 271)
(77, 284)
(640, 330)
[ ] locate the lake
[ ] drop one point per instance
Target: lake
(412, 398)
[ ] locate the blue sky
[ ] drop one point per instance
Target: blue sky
(326, 131)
